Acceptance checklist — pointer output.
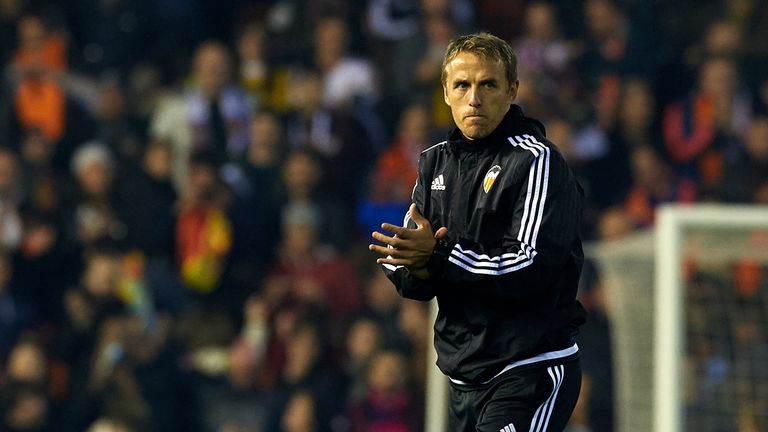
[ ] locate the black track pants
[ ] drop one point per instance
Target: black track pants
(534, 399)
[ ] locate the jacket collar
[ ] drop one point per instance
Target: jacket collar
(513, 123)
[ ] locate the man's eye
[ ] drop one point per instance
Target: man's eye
(462, 85)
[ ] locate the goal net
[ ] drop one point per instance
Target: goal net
(688, 305)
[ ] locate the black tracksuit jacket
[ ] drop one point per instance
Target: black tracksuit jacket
(506, 276)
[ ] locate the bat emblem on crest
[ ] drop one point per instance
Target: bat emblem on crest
(490, 177)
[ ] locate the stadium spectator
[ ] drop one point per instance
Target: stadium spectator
(654, 183)
(212, 114)
(301, 413)
(306, 369)
(11, 194)
(364, 339)
(388, 403)
(335, 138)
(745, 176)
(545, 58)
(39, 100)
(96, 203)
(345, 79)
(302, 184)
(702, 127)
(255, 211)
(203, 230)
(25, 403)
(16, 314)
(312, 274)
(393, 177)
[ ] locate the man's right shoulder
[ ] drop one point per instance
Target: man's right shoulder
(433, 148)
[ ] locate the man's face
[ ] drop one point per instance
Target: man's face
(478, 93)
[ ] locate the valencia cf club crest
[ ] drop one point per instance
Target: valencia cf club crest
(490, 177)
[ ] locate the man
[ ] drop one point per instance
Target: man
(505, 261)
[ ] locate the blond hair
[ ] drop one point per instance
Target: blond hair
(486, 46)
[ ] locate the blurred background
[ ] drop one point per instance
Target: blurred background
(187, 189)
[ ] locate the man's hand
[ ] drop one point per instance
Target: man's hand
(410, 247)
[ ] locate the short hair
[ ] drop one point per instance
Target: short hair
(484, 45)
(92, 152)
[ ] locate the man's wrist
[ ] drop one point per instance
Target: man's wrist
(439, 258)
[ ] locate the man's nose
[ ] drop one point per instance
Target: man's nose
(474, 97)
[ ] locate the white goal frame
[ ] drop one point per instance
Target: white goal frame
(669, 325)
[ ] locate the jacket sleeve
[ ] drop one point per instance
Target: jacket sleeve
(538, 240)
(407, 285)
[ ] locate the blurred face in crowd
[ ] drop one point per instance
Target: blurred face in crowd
(559, 130)
(540, 21)
(100, 275)
(212, 68)
(10, 8)
(94, 178)
(112, 101)
(157, 160)
(306, 92)
(435, 7)
(27, 363)
(201, 182)
(300, 174)
(717, 77)
(757, 139)
(36, 149)
(602, 18)
(299, 415)
(637, 105)
(330, 42)
(363, 339)
(299, 238)
(414, 124)
(723, 38)
(439, 30)
(386, 373)
(414, 320)
(378, 296)
(28, 411)
(250, 46)
(478, 93)
(7, 170)
(265, 137)
(647, 168)
(32, 33)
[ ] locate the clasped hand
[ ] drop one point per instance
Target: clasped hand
(408, 247)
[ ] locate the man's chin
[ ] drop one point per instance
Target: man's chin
(475, 133)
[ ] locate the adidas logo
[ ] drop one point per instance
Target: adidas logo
(438, 183)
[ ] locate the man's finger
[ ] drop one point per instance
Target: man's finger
(391, 241)
(395, 261)
(441, 232)
(399, 231)
(384, 250)
(420, 220)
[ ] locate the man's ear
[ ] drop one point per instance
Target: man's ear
(513, 91)
(445, 95)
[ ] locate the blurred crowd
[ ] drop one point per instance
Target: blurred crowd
(187, 188)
